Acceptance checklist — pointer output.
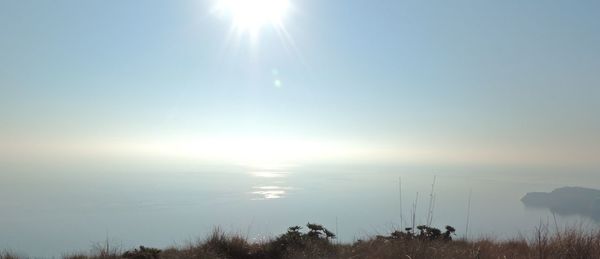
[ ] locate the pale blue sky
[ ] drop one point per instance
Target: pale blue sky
(470, 82)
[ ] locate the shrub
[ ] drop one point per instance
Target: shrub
(142, 253)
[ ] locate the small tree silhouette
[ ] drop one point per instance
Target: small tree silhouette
(295, 240)
(426, 233)
(143, 253)
(449, 231)
(317, 231)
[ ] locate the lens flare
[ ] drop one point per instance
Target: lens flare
(251, 15)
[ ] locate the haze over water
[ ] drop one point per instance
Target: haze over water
(73, 212)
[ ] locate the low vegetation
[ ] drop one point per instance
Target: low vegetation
(316, 241)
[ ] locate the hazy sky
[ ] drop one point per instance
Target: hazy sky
(433, 82)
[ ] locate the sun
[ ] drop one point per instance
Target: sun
(251, 15)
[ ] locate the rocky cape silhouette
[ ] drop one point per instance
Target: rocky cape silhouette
(567, 201)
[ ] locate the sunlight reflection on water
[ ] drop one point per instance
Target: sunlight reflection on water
(269, 174)
(274, 186)
(270, 192)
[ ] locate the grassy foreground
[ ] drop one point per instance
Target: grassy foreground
(317, 242)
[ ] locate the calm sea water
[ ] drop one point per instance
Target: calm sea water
(49, 213)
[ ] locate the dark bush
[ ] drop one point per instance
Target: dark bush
(142, 253)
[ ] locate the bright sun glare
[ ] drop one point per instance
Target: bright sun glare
(251, 15)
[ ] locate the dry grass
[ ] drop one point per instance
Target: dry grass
(8, 255)
(569, 243)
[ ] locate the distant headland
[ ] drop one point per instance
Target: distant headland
(567, 201)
